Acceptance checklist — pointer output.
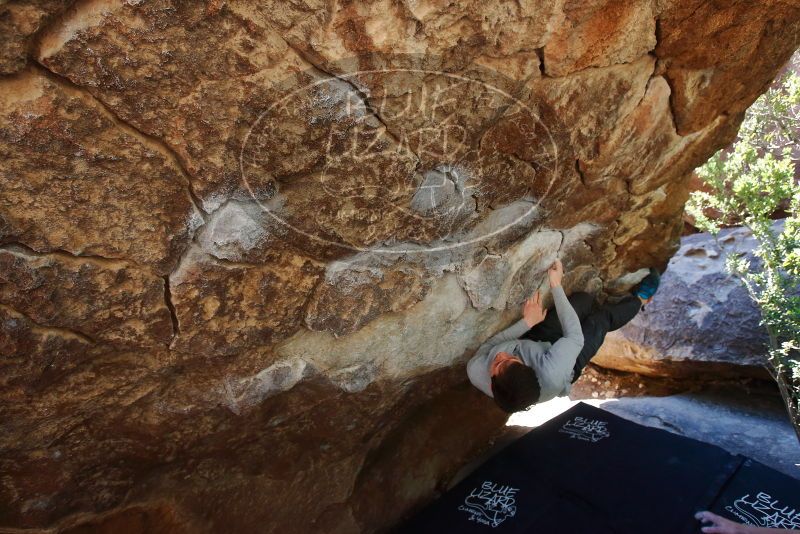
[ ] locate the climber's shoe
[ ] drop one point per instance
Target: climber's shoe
(649, 285)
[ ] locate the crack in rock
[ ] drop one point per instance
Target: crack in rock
(22, 250)
(43, 328)
(172, 313)
(145, 139)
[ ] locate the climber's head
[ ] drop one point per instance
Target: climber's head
(515, 386)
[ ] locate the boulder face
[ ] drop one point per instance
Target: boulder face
(702, 323)
(247, 247)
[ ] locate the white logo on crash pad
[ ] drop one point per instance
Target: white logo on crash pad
(764, 511)
(586, 429)
(490, 504)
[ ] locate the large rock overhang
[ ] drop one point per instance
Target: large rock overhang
(248, 247)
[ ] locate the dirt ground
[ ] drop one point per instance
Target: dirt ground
(600, 383)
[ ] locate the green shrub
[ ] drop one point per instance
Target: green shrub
(748, 185)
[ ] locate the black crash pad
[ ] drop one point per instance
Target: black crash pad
(760, 496)
(590, 471)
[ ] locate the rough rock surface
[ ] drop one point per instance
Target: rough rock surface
(75, 180)
(696, 73)
(246, 247)
(702, 321)
(20, 23)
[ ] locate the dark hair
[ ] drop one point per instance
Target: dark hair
(515, 388)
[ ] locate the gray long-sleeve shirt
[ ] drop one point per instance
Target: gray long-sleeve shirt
(553, 362)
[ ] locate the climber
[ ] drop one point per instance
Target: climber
(540, 356)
